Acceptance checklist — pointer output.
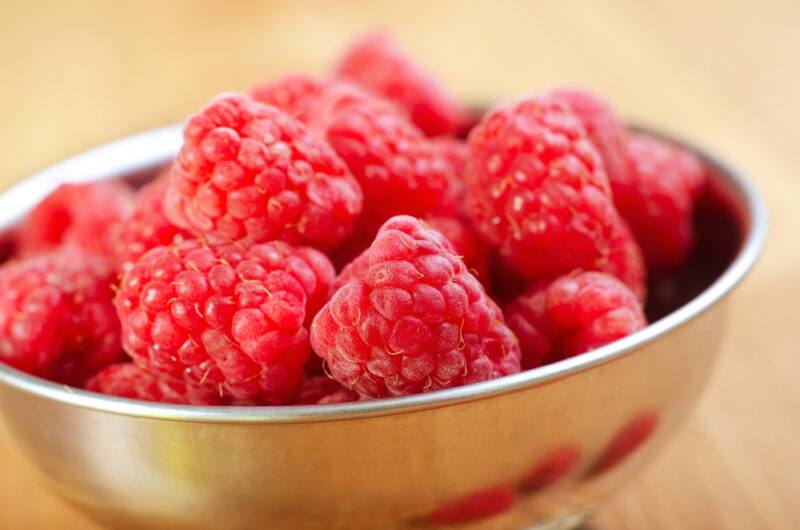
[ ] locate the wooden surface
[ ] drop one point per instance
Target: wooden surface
(76, 74)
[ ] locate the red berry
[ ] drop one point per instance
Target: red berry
(456, 151)
(7, 245)
(293, 94)
(602, 126)
(627, 261)
(466, 244)
(377, 64)
(248, 171)
(322, 390)
(399, 170)
(412, 319)
(659, 201)
(79, 215)
(147, 226)
(57, 318)
(537, 189)
(477, 505)
(224, 317)
(572, 315)
(128, 380)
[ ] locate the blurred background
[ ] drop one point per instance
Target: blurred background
(721, 74)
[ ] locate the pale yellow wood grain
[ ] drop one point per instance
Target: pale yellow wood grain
(725, 74)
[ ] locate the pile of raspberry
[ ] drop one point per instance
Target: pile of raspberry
(352, 237)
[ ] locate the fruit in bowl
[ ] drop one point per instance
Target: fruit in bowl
(334, 287)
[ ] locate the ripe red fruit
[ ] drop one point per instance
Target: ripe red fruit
(412, 319)
(659, 200)
(537, 189)
(248, 171)
(465, 242)
(571, 315)
(57, 318)
(603, 128)
(7, 245)
(128, 380)
(147, 227)
(455, 150)
(377, 64)
(322, 390)
(293, 94)
(225, 317)
(80, 215)
(399, 170)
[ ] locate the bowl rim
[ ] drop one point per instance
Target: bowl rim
(148, 149)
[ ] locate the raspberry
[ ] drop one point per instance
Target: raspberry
(322, 390)
(627, 262)
(461, 237)
(128, 380)
(572, 315)
(412, 319)
(377, 64)
(248, 171)
(293, 94)
(477, 505)
(602, 126)
(400, 171)
(7, 245)
(659, 201)
(223, 317)
(81, 215)
(57, 318)
(537, 189)
(455, 151)
(147, 226)
(627, 440)
(466, 244)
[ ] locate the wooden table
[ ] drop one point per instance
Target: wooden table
(76, 74)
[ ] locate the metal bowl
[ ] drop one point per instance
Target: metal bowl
(535, 450)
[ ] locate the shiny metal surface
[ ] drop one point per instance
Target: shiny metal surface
(383, 464)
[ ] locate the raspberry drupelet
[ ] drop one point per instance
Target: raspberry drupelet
(128, 380)
(80, 215)
(293, 94)
(225, 317)
(248, 171)
(572, 315)
(659, 202)
(147, 227)
(466, 244)
(377, 64)
(603, 128)
(399, 170)
(455, 151)
(536, 188)
(412, 319)
(57, 317)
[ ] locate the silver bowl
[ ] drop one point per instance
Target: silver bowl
(538, 449)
